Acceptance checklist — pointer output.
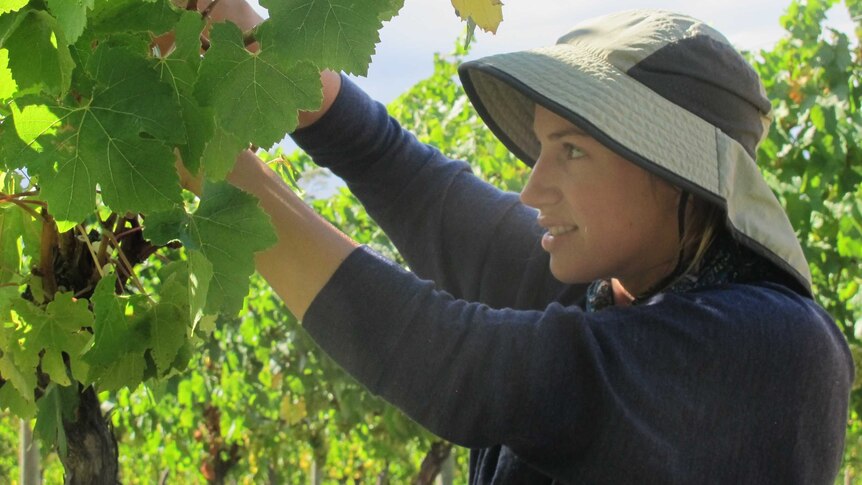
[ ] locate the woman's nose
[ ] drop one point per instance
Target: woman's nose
(540, 190)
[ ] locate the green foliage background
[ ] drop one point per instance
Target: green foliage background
(284, 404)
(813, 161)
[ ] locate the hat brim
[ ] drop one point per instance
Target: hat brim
(639, 125)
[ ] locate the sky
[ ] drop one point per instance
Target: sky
(405, 54)
(423, 27)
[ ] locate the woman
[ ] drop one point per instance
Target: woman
(642, 315)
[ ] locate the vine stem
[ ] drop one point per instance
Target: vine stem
(32, 202)
(128, 231)
(80, 229)
(129, 266)
(47, 244)
(24, 207)
(10, 197)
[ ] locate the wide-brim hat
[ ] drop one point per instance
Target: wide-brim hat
(666, 92)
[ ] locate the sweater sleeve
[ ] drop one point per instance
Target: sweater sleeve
(741, 384)
(472, 239)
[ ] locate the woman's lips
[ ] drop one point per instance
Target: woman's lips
(556, 235)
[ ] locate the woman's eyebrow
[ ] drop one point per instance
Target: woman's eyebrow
(566, 132)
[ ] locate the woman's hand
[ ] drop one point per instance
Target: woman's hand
(246, 18)
(236, 11)
(242, 14)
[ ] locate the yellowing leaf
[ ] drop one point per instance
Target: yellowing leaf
(486, 13)
(290, 411)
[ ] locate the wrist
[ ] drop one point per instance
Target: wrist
(250, 174)
(331, 85)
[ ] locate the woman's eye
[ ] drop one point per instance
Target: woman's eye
(572, 151)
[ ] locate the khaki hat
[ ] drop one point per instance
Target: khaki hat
(663, 90)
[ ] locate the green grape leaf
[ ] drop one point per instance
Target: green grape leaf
(163, 227)
(117, 356)
(200, 126)
(219, 155)
(197, 272)
(39, 56)
(256, 97)
(8, 294)
(125, 16)
(56, 329)
(8, 24)
(336, 34)
(34, 121)
(11, 399)
(17, 364)
(56, 405)
(127, 371)
(7, 6)
(167, 323)
(227, 228)
(394, 6)
(21, 226)
(103, 142)
(187, 45)
(13, 151)
(180, 70)
(11, 226)
(200, 275)
(113, 334)
(71, 15)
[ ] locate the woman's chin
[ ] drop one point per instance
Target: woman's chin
(571, 275)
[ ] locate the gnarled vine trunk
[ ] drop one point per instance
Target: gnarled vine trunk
(433, 463)
(92, 458)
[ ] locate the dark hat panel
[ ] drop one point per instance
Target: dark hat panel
(710, 79)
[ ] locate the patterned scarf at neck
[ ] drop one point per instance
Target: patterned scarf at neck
(725, 262)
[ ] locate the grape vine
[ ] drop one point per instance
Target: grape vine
(92, 116)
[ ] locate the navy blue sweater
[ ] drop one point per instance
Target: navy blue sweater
(735, 383)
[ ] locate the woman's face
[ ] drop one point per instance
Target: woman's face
(605, 217)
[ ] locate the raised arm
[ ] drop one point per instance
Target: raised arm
(474, 240)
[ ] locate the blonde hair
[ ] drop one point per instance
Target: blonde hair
(703, 222)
